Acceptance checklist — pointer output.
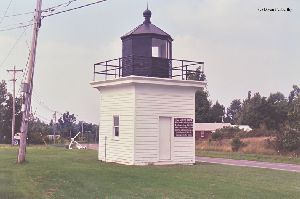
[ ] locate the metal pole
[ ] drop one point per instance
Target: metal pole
(105, 149)
(27, 87)
(54, 133)
(13, 122)
(186, 73)
(182, 70)
(106, 70)
(119, 67)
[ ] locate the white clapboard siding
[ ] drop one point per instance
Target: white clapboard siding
(140, 101)
(117, 101)
(151, 102)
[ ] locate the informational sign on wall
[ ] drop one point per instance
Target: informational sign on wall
(183, 127)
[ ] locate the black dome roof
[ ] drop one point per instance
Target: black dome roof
(147, 28)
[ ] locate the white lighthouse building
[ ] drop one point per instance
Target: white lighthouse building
(147, 101)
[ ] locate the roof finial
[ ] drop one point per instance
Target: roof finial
(147, 14)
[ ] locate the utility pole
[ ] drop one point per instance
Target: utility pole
(28, 85)
(54, 127)
(13, 122)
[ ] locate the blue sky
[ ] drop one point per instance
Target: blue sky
(243, 49)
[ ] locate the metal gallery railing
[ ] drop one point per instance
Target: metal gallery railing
(171, 68)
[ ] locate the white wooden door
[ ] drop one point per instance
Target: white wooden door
(164, 138)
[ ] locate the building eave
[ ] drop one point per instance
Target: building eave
(148, 80)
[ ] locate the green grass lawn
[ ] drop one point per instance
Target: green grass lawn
(61, 173)
(245, 156)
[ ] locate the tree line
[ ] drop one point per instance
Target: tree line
(277, 116)
(66, 127)
(257, 111)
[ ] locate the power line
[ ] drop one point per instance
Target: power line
(25, 68)
(27, 62)
(21, 24)
(16, 27)
(71, 9)
(25, 72)
(42, 104)
(51, 9)
(17, 24)
(5, 11)
(40, 117)
(19, 14)
(44, 10)
(10, 51)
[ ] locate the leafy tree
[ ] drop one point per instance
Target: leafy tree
(294, 113)
(6, 102)
(38, 131)
(202, 106)
(205, 113)
(294, 94)
(3, 97)
(277, 107)
(249, 95)
(67, 125)
(3, 93)
(216, 113)
(250, 113)
(198, 75)
(233, 111)
(217, 136)
(91, 132)
(269, 113)
(287, 139)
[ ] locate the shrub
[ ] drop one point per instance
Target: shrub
(231, 132)
(236, 144)
(259, 132)
(287, 140)
(216, 136)
(228, 132)
(35, 138)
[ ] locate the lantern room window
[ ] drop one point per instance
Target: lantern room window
(160, 48)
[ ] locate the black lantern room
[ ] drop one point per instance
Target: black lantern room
(146, 51)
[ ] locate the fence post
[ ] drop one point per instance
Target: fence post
(120, 67)
(186, 73)
(106, 70)
(182, 69)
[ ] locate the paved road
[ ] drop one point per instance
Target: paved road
(243, 163)
(247, 163)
